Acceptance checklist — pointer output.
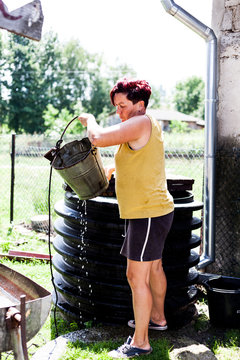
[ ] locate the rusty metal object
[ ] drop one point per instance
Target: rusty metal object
(16, 326)
(35, 303)
(13, 318)
(26, 21)
(23, 326)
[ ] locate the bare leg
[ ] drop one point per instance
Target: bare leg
(138, 275)
(158, 285)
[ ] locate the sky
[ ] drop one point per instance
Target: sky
(139, 33)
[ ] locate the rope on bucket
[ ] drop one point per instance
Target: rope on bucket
(49, 249)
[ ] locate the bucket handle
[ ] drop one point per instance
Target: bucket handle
(58, 143)
(52, 153)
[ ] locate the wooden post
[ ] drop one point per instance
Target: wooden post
(26, 21)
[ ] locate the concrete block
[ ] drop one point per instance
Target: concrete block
(187, 350)
(227, 21)
(229, 45)
(232, 3)
(236, 19)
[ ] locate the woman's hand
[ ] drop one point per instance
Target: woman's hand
(84, 117)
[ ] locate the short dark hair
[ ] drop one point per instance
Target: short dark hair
(135, 90)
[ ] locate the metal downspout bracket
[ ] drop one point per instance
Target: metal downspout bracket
(208, 35)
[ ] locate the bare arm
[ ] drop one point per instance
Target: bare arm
(128, 131)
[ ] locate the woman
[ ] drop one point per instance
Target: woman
(144, 201)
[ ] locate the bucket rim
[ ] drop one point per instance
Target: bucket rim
(221, 289)
(92, 149)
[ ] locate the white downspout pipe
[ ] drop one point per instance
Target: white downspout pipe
(208, 35)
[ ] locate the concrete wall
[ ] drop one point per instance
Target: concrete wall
(226, 25)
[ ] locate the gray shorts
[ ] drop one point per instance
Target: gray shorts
(145, 238)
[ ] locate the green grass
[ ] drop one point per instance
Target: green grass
(99, 350)
(227, 348)
(31, 186)
(20, 238)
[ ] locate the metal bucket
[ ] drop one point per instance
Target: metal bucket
(79, 163)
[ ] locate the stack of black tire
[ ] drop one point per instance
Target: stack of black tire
(179, 257)
(90, 274)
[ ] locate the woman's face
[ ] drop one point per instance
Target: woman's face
(125, 108)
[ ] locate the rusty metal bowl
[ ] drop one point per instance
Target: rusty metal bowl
(37, 306)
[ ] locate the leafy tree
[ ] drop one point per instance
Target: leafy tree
(179, 127)
(42, 74)
(72, 75)
(101, 80)
(55, 121)
(189, 97)
(99, 98)
(3, 101)
(61, 75)
(50, 116)
(1, 86)
(119, 71)
(156, 97)
(49, 57)
(25, 112)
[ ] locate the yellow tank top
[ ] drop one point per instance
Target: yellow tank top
(141, 186)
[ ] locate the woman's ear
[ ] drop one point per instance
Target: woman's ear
(141, 105)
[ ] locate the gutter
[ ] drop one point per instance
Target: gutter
(209, 222)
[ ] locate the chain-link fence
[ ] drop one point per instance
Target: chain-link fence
(32, 170)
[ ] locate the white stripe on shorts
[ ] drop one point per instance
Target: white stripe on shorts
(146, 239)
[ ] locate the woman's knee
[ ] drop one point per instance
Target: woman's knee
(131, 277)
(136, 279)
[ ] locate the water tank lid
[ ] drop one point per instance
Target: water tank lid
(179, 183)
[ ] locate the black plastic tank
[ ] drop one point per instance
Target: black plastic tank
(90, 273)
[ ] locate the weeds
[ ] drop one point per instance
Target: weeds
(233, 337)
(63, 326)
(229, 346)
(88, 324)
(201, 323)
(5, 246)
